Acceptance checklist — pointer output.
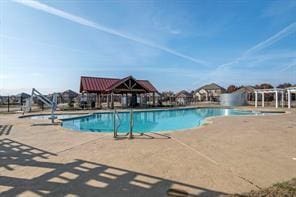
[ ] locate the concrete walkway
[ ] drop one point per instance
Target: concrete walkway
(230, 155)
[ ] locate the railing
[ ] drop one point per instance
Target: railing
(116, 127)
(52, 104)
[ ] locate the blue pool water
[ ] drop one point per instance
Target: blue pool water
(147, 121)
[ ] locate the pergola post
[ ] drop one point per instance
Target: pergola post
(256, 99)
(108, 104)
(112, 100)
(289, 99)
(98, 100)
(276, 99)
(282, 99)
(153, 97)
(126, 100)
(262, 99)
(140, 95)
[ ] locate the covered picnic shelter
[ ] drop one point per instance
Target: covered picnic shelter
(133, 92)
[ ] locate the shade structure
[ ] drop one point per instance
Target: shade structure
(107, 85)
(111, 86)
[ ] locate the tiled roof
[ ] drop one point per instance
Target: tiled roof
(99, 84)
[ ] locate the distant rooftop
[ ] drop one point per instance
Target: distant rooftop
(212, 86)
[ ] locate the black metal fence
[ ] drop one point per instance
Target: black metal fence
(11, 103)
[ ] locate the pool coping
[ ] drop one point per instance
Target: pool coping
(85, 114)
(204, 122)
(142, 110)
(207, 121)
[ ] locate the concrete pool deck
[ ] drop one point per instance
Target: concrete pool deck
(230, 155)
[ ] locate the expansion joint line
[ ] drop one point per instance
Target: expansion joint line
(196, 151)
(214, 162)
(81, 144)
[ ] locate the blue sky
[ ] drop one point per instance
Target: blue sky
(174, 44)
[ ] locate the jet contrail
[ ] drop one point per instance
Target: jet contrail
(77, 19)
(290, 29)
(273, 39)
(261, 45)
(291, 65)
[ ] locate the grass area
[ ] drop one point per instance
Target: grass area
(284, 189)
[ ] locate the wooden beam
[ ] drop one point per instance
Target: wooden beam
(127, 90)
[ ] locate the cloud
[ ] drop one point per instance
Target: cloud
(79, 20)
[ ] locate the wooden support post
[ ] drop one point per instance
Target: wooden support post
(98, 101)
(112, 100)
(141, 100)
(108, 103)
(126, 100)
(153, 95)
(121, 100)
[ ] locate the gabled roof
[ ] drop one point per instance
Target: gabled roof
(245, 89)
(120, 81)
(183, 92)
(70, 93)
(93, 84)
(23, 94)
(99, 84)
(148, 85)
(212, 86)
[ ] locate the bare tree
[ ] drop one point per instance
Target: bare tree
(231, 88)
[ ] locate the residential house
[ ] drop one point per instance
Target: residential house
(21, 98)
(69, 95)
(183, 97)
(249, 91)
(209, 92)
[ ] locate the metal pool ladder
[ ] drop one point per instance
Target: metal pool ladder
(115, 127)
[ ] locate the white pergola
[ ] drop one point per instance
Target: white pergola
(275, 91)
(290, 91)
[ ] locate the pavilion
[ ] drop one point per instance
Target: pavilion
(132, 92)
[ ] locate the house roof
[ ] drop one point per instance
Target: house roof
(23, 94)
(245, 89)
(183, 92)
(70, 93)
(100, 84)
(212, 86)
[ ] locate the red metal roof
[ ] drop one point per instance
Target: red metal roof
(99, 84)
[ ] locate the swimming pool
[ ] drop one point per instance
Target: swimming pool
(147, 121)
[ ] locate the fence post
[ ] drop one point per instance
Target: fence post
(8, 104)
